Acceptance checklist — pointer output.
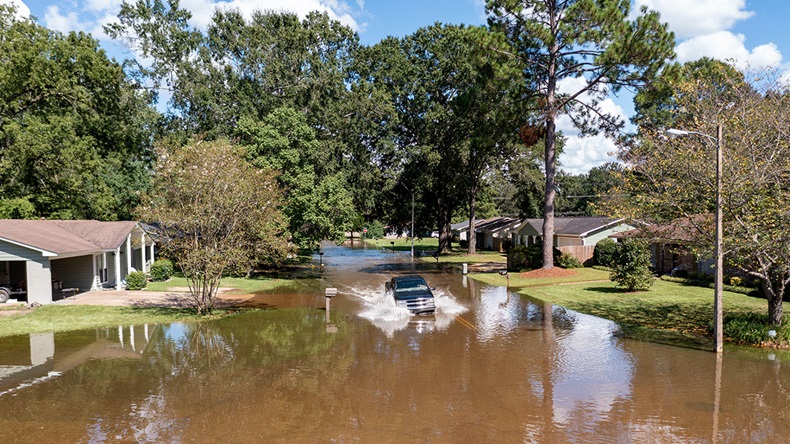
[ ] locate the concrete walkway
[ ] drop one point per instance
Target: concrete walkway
(129, 298)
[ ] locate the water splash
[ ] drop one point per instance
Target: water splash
(379, 308)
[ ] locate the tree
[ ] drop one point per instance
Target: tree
(215, 213)
(445, 112)
(674, 179)
(631, 265)
(75, 131)
(590, 43)
(284, 85)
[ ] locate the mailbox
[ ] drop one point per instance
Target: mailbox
(331, 292)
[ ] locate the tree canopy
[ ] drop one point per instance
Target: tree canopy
(75, 131)
(214, 213)
(673, 180)
(596, 44)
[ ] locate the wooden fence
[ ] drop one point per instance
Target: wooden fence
(583, 253)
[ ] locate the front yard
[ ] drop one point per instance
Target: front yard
(669, 312)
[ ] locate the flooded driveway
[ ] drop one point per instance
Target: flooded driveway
(487, 367)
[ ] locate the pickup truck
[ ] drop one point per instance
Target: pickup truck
(412, 292)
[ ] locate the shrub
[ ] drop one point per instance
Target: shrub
(375, 230)
(567, 260)
(631, 265)
(463, 243)
(161, 270)
(529, 257)
(136, 280)
(604, 252)
(736, 281)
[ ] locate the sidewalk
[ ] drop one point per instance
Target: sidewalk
(129, 298)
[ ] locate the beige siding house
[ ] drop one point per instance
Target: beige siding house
(43, 257)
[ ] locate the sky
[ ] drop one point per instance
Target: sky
(744, 33)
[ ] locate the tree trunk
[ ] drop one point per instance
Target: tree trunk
(551, 140)
(472, 237)
(775, 310)
(443, 224)
(774, 291)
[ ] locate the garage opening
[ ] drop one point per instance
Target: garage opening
(13, 281)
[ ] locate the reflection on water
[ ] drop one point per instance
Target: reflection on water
(500, 369)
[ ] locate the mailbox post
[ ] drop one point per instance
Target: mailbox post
(329, 293)
(505, 274)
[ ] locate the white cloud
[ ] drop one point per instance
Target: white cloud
(22, 11)
(55, 20)
(582, 153)
(725, 45)
(202, 10)
(91, 15)
(697, 17)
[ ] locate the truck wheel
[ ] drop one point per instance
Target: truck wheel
(3, 295)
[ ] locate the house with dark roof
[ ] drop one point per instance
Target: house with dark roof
(574, 235)
(43, 257)
(493, 234)
(461, 229)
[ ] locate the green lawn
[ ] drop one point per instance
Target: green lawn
(240, 285)
(669, 312)
(404, 243)
(59, 318)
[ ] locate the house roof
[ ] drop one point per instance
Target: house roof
(572, 226)
(497, 224)
(465, 224)
(59, 237)
(679, 230)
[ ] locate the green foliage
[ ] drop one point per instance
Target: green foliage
(530, 257)
(567, 260)
(71, 125)
(19, 208)
(672, 182)
(604, 252)
(375, 230)
(752, 329)
(708, 283)
(216, 213)
(736, 281)
(161, 270)
(631, 265)
(620, 50)
(136, 280)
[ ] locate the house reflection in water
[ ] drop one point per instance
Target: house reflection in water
(30, 359)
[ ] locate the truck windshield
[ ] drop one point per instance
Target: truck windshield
(415, 285)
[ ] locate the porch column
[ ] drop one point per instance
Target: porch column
(118, 285)
(142, 249)
(153, 259)
(129, 254)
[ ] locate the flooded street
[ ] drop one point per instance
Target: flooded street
(489, 366)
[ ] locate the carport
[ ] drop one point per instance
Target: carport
(45, 256)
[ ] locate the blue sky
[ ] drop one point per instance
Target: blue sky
(744, 32)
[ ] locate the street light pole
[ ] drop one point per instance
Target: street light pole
(718, 316)
(412, 225)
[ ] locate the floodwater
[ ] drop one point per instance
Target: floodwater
(487, 367)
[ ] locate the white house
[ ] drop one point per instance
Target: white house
(44, 256)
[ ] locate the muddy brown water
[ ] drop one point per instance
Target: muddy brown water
(488, 367)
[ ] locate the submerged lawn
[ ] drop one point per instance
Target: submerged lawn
(240, 285)
(58, 318)
(668, 312)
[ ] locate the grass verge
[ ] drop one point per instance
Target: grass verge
(58, 318)
(239, 285)
(669, 312)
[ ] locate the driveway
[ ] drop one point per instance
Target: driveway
(128, 298)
